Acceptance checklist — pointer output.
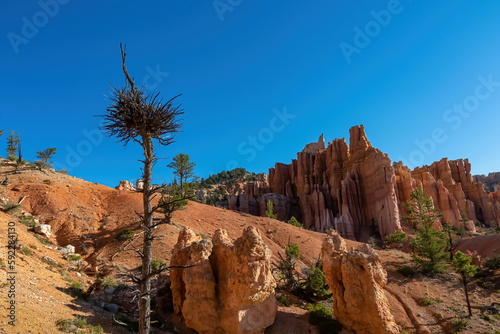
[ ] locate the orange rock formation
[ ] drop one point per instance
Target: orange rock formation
(356, 279)
(230, 288)
(355, 190)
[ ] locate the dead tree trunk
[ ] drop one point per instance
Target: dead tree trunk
(147, 252)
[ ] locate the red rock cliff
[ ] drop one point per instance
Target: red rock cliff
(355, 189)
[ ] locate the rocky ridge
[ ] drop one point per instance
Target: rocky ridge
(355, 190)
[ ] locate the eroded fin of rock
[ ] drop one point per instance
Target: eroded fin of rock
(229, 289)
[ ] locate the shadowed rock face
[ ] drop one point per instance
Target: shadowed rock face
(229, 289)
(356, 278)
(355, 189)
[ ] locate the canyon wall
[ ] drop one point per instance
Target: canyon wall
(356, 190)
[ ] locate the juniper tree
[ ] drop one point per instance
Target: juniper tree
(429, 243)
(141, 117)
(45, 156)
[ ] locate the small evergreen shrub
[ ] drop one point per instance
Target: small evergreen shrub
(109, 282)
(322, 317)
(77, 289)
(156, 265)
(64, 325)
(75, 326)
(125, 234)
(494, 263)
(430, 301)
(270, 210)
(26, 220)
(292, 251)
(406, 271)
(460, 324)
(396, 236)
(74, 257)
(294, 222)
(42, 239)
(27, 251)
(284, 300)
(9, 206)
(318, 312)
(315, 284)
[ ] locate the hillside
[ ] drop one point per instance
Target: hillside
(90, 217)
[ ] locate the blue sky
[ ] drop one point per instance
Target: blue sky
(259, 79)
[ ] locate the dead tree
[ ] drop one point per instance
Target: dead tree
(141, 117)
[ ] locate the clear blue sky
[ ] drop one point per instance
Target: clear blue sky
(260, 79)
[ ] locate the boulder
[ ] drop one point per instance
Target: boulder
(229, 289)
(113, 308)
(356, 278)
(69, 249)
(43, 229)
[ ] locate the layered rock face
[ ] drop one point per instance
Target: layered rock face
(350, 188)
(229, 289)
(492, 181)
(453, 191)
(355, 190)
(356, 279)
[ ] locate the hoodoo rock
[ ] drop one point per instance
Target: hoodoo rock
(356, 279)
(229, 289)
(125, 185)
(356, 190)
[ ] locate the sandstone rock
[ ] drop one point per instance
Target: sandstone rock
(453, 191)
(229, 289)
(69, 249)
(356, 279)
(125, 185)
(315, 147)
(43, 229)
(354, 189)
(492, 181)
(139, 184)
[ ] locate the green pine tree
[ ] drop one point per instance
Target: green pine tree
(294, 222)
(270, 210)
(462, 265)
(429, 244)
(183, 168)
(13, 142)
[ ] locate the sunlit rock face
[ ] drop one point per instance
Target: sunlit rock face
(229, 289)
(356, 190)
(356, 278)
